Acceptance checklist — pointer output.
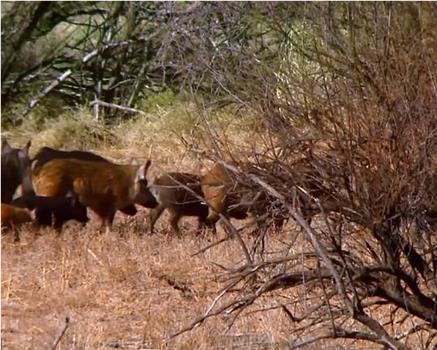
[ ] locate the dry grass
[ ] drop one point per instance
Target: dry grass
(129, 289)
(118, 288)
(132, 290)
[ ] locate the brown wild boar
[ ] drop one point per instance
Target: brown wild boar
(54, 211)
(226, 196)
(103, 187)
(12, 216)
(46, 154)
(179, 201)
(221, 192)
(229, 198)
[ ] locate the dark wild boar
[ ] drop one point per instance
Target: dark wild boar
(46, 154)
(16, 170)
(171, 194)
(54, 211)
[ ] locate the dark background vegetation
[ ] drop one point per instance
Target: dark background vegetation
(345, 98)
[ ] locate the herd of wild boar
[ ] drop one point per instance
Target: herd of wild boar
(58, 186)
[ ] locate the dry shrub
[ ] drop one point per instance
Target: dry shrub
(348, 108)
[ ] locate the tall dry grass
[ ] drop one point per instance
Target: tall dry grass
(129, 289)
(126, 287)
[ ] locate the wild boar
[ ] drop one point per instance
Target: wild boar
(221, 192)
(171, 194)
(15, 171)
(103, 187)
(13, 216)
(226, 196)
(54, 211)
(46, 154)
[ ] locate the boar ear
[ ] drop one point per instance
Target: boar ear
(26, 148)
(142, 171)
(24, 153)
(71, 194)
(147, 166)
(203, 171)
(33, 164)
(150, 151)
(133, 161)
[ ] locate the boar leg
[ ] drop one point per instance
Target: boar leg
(204, 225)
(175, 216)
(109, 220)
(154, 215)
(278, 223)
(58, 226)
(106, 216)
(16, 234)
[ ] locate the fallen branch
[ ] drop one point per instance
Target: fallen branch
(129, 344)
(338, 332)
(113, 105)
(208, 313)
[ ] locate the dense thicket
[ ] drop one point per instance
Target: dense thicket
(347, 98)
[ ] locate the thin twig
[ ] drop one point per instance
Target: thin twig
(61, 333)
(209, 246)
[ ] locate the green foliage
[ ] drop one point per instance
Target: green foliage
(52, 107)
(156, 101)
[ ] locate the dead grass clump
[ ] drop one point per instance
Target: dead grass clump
(75, 129)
